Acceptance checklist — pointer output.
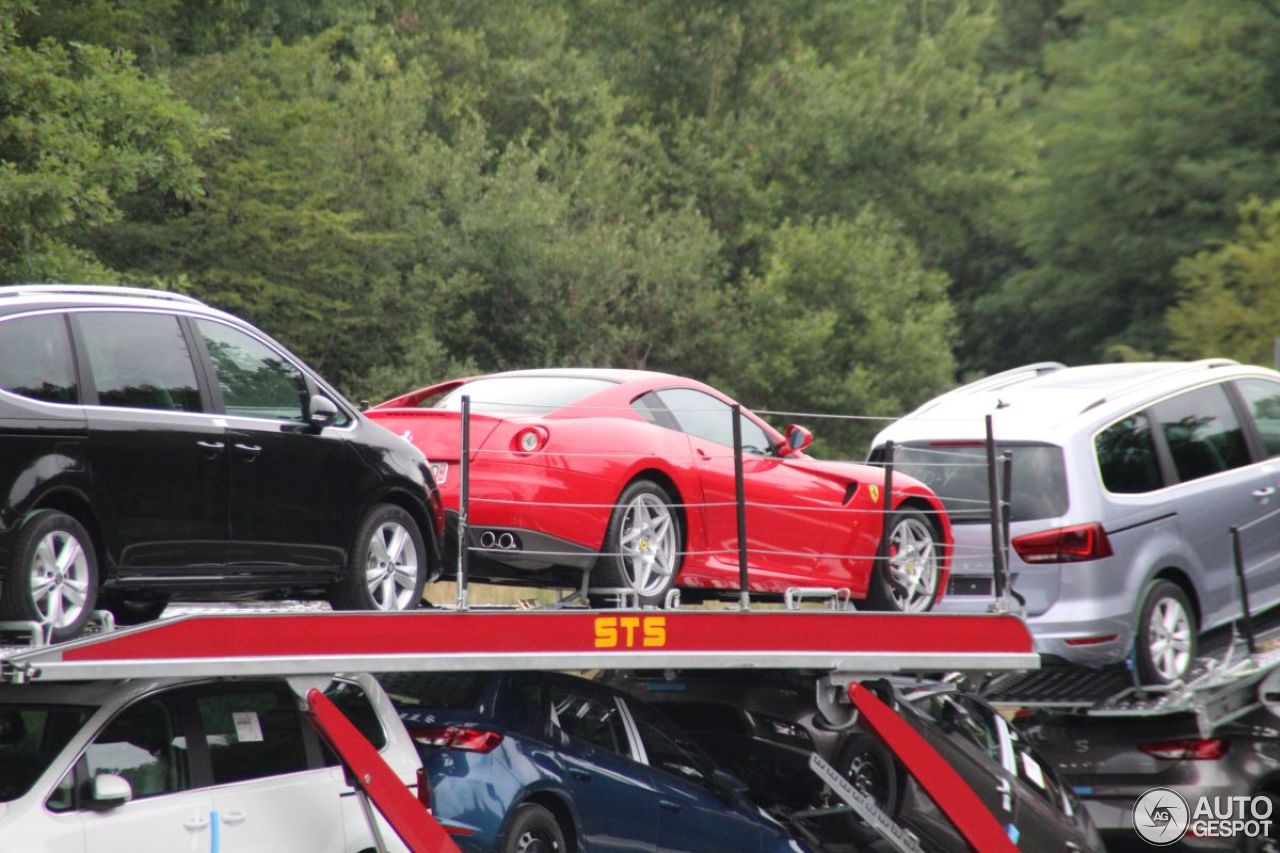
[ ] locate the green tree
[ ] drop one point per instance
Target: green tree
(1158, 120)
(80, 131)
(1229, 301)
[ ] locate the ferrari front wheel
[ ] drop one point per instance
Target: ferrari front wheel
(906, 580)
(642, 544)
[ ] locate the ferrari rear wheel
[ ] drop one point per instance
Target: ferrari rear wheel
(642, 544)
(907, 580)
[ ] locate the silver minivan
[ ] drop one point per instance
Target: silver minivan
(1126, 482)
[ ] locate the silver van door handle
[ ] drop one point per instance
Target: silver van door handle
(1265, 492)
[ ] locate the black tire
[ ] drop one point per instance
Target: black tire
(134, 611)
(869, 765)
(532, 829)
(388, 564)
(52, 576)
(906, 581)
(645, 526)
(1166, 642)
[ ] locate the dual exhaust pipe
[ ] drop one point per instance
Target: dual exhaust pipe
(504, 540)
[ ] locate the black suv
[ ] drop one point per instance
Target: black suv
(152, 446)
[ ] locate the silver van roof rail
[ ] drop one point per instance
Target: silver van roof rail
(96, 290)
(995, 380)
(1175, 370)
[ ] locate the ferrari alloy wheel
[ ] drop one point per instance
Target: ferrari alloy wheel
(642, 547)
(52, 577)
(907, 580)
(1166, 641)
(388, 565)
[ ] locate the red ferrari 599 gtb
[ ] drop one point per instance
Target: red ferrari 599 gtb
(630, 474)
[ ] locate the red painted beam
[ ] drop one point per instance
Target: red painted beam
(437, 633)
(939, 779)
(408, 817)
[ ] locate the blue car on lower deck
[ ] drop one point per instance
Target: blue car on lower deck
(524, 762)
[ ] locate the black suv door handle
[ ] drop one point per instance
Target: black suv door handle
(211, 448)
(670, 806)
(579, 773)
(249, 450)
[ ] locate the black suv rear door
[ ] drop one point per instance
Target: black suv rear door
(157, 455)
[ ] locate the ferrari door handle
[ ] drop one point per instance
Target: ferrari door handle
(233, 817)
(249, 451)
(196, 823)
(1266, 492)
(702, 454)
(579, 773)
(674, 808)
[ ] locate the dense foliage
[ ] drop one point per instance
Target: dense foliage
(832, 205)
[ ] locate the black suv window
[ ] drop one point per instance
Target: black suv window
(1203, 432)
(31, 736)
(140, 361)
(256, 381)
(708, 418)
(252, 730)
(354, 703)
(35, 359)
(1263, 399)
(1127, 457)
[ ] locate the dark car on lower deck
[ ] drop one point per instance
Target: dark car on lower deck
(530, 761)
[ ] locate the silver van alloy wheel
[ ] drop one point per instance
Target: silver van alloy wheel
(59, 578)
(913, 565)
(1169, 639)
(392, 572)
(647, 544)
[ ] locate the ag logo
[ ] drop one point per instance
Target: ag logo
(1161, 816)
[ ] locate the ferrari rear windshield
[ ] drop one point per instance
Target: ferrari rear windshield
(522, 395)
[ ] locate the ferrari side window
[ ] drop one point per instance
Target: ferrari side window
(706, 417)
(649, 407)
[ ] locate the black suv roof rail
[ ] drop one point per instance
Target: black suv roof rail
(96, 290)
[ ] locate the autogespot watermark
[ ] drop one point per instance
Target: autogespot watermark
(1162, 817)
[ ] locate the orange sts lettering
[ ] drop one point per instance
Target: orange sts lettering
(627, 632)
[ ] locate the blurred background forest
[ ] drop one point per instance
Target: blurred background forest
(822, 205)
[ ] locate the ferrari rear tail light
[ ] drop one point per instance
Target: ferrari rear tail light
(1064, 545)
(530, 440)
(465, 738)
(1187, 749)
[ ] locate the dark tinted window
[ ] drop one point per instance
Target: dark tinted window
(256, 381)
(958, 474)
(590, 717)
(960, 717)
(140, 361)
(1202, 432)
(1263, 398)
(520, 395)
(145, 745)
(668, 748)
(253, 730)
(434, 689)
(35, 359)
(354, 703)
(31, 736)
(1127, 457)
(711, 419)
(652, 410)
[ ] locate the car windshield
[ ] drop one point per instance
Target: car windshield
(957, 472)
(31, 736)
(521, 395)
